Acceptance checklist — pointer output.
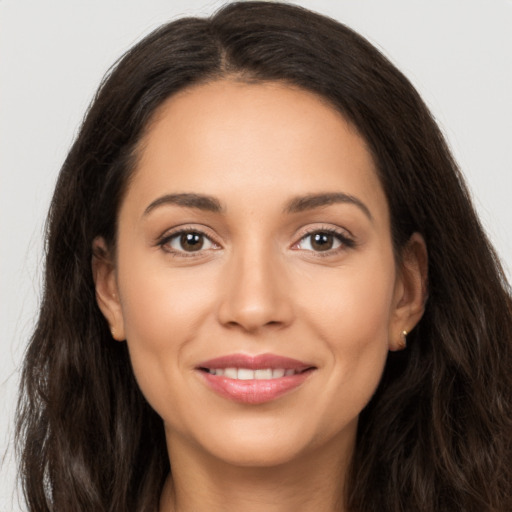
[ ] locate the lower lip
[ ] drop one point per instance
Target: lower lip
(254, 391)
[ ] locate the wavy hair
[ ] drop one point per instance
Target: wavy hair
(436, 436)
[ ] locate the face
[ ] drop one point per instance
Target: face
(255, 281)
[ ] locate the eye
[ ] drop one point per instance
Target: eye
(323, 241)
(188, 242)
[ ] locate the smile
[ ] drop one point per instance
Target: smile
(248, 374)
(253, 379)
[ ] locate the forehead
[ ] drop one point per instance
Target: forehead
(226, 137)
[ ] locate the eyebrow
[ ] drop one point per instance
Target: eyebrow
(312, 201)
(198, 201)
(295, 205)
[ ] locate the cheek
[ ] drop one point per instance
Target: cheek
(160, 308)
(349, 311)
(163, 309)
(351, 305)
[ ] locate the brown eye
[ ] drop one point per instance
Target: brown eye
(189, 241)
(323, 241)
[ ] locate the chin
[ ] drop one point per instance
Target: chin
(261, 445)
(259, 453)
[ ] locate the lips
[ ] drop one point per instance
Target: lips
(254, 379)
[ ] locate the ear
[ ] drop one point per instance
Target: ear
(105, 281)
(410, 291)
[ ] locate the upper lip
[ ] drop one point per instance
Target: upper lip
(255, 362)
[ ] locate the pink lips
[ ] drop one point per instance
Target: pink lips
(254, 390)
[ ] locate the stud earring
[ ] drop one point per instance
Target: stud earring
(113, 332)
(403, 340)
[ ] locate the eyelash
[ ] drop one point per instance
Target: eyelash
(345, 242)
(166, 239)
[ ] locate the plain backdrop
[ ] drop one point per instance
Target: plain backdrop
(53, 54)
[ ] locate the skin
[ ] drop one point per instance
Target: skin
(258, 285)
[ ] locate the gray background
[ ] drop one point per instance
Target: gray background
(53, 54)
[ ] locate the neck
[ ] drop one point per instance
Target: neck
(312, 482)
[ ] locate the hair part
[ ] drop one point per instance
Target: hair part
(437, 434)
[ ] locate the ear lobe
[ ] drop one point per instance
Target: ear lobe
(107, 296)
(410, 291)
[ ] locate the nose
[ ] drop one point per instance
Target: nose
(255, 292)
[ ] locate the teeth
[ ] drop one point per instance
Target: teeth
(245, 374)
(248, 374)
(230, 373)
(262, 374)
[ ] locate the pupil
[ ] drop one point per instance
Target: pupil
(322, 241)
(191, 241)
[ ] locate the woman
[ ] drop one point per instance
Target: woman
(262, 213)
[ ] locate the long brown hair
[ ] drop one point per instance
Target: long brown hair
(436, 436)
